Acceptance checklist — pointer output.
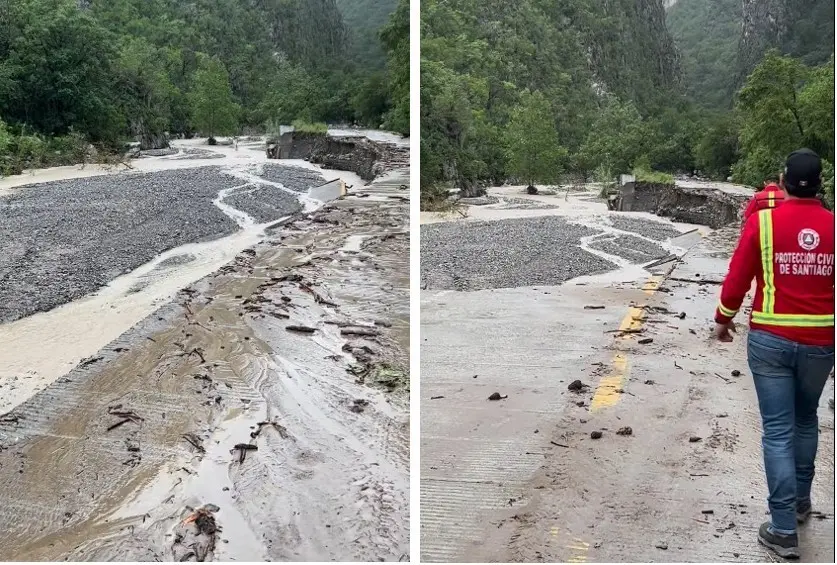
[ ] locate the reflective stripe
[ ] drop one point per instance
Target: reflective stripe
(771, 200)
(766, 243)
(796, 320)
(726, 311)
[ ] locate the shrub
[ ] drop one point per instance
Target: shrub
(646, 175)
(307, 127)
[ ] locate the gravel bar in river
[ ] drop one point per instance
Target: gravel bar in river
(61, 240)
(505, 254)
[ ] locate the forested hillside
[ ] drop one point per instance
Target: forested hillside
(364, 19)
(763, 74)
(105, 71)
(534, 90)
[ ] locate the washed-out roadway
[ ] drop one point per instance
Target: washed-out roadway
(521, 479)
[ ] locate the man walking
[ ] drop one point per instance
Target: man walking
(790, 349)
(768, 197)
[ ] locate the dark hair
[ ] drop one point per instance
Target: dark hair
(772, 177)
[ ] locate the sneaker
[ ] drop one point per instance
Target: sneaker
(803, 512)
(786, 546)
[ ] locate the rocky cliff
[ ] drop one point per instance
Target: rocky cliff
(802, 28)
(632, 52)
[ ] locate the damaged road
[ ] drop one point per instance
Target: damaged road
(213, 431)
(621, 432)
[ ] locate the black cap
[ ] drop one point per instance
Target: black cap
(803, 171)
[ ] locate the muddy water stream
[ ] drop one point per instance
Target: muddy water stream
(214, 402)
(80, 328)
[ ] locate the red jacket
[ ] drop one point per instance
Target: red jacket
(790, 252)
(769, 197)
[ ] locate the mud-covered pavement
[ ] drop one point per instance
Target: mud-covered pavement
(261, 415)
(523, 479)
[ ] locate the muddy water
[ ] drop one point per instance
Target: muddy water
(329, 477)
(79, 329)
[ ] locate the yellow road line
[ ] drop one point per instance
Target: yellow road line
(606, 395)
(578, 547)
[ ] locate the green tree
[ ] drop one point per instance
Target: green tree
(717, 149)
(56, 69)
(396, 40)
(783, 106)
(213, 109)
(534, 151)
(618, 138)
(147, 91)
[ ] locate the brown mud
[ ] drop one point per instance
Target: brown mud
(211, 432)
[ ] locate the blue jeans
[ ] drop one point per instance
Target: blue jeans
(789, 379)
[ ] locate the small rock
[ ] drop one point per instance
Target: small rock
(576, 386)
(497, 396)
(695, 439)
(593, 307)
(595, 434)
(662, 545)
(707, 511)
(580, 404)
(722, 415)
(736, 373)
(646, 340)
(626, 431)
(650, 382)
(682, 315)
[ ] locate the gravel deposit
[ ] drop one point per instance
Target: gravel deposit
(504, 254)
(264, 203)
(292, 178)
(176, 261)
(62, 240)
(479, 200)
(629, 247)
(524, 204)
(647, 228)
(189, 153)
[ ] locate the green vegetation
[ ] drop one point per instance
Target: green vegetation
(535, 155)
(112, 70)
(213, 108)
(784, 105)
(364, 19)
(531, 90)
(307, 127)
(644, 175)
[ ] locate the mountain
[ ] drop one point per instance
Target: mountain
(721, 41)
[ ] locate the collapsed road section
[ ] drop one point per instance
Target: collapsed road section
(574, 407)
(262, 414)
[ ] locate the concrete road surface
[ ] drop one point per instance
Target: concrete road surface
(521, 479)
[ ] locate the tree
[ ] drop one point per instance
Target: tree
(49, 74)
(214, 111)
(717, 149)
(783, 106)
(618, 138)
(147, 92)
(534, 152)
(396, 40)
